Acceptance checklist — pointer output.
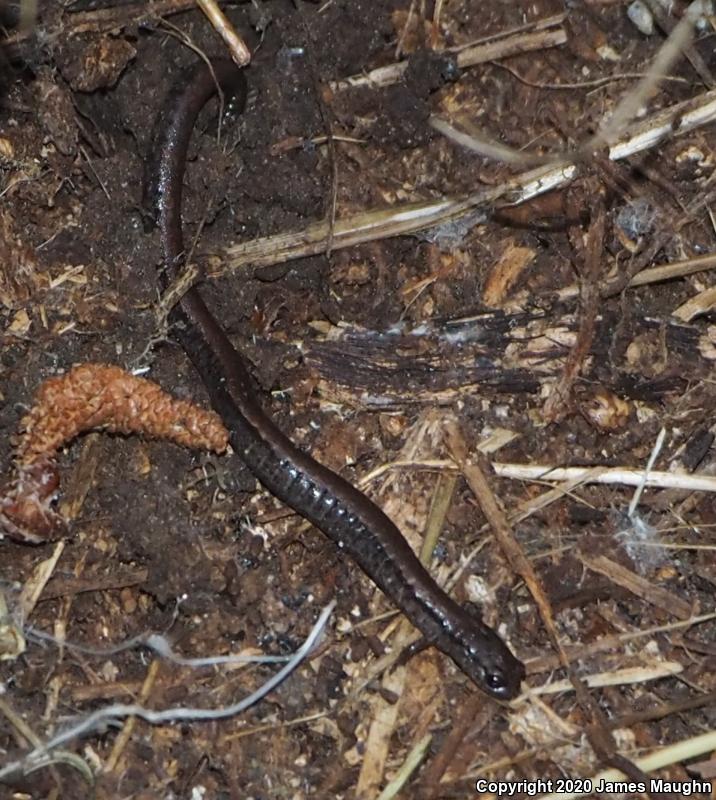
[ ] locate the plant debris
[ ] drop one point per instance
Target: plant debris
(468, 252)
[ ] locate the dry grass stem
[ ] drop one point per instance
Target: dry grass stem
(617, 677)
(410, 218)
(581, 652)
(120, 743)
(36, 582)
(664, 272)
(102, 20)
(701, 303)
(666, 756)
(612, 475)
(502, 530)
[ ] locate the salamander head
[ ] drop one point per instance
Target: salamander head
(486, 659)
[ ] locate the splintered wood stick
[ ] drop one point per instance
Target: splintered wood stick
(641, 587)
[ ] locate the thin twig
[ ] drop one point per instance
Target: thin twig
(111, 714)
(240, 52)
(468, 56)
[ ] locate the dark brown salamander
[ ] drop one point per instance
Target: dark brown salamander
(355, 524)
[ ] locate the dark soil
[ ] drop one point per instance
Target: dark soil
(167, 539)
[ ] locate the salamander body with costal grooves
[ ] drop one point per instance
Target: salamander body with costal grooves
(332, 504)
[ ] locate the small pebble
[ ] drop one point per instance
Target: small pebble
(129, 601)
(641, 16)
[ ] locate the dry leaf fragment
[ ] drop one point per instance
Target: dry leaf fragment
(604, 410)
(99, 65)
(20, 324)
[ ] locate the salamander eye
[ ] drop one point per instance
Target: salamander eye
(495, 682)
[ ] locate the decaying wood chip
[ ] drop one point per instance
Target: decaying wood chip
(505, 273)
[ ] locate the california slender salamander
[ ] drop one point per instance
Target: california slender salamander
(343, 513)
